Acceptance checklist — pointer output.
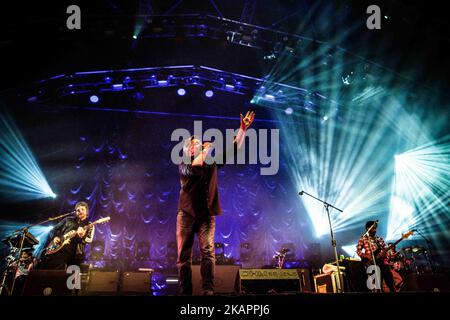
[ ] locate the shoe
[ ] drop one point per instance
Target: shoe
(208, 293)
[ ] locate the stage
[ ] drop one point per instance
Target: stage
(286, 157)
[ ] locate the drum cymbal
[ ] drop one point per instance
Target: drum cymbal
(414, 249)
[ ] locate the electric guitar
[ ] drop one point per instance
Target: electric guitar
(54, 248)
(381, 253)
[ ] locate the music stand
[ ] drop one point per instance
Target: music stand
(333, 241)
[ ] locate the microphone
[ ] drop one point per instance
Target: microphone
(301, 193)
(62, 215)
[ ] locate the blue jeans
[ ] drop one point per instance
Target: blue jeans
(187, 227)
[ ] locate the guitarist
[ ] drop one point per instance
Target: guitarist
(372, 243)
(72, 253)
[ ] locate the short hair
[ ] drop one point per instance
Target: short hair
(370, 223)
(82, 204)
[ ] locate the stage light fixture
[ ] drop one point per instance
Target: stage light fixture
(143, 251)
(209, 93)
(289, 111)
(94, 98)
(97, 250)
(181, 92)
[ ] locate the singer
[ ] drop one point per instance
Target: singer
(197, 207)
(73, 252)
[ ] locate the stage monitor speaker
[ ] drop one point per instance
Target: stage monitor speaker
(47, 283)
(266, 281)
(224, 279)
(136, 283)
(355, 272)
(102, 282)
(426, 282)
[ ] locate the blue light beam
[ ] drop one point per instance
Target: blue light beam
(20, 176)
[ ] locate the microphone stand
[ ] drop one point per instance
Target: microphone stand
(333, 241)
(366, 234)
(430, 254)
(24, 232)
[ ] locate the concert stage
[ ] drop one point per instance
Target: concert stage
(281, 156)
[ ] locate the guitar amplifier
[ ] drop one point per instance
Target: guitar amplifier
(263, 281)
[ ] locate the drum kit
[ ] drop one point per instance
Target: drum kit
(412, 259)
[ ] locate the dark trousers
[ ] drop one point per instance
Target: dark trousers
(187, 228)
(386, 275)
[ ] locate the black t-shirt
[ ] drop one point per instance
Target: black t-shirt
(199, 195)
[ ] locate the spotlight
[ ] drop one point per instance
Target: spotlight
(143, 251)
(219, 252)
(134, 36)
(94, 98)
(289, 110)
(269, 97)
(97, 250)
(209, 93)
(229, 87)
(181, 92)
(245, 252)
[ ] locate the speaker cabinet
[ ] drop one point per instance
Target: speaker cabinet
(426, 282)
(102, 282)
(46, 283)
(266, 281)
(356, 275)
(224, 279)
(136, 283)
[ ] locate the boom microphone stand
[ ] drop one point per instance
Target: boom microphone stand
(429, 254)
(366, 234)
(24, 234)
(333, 241)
